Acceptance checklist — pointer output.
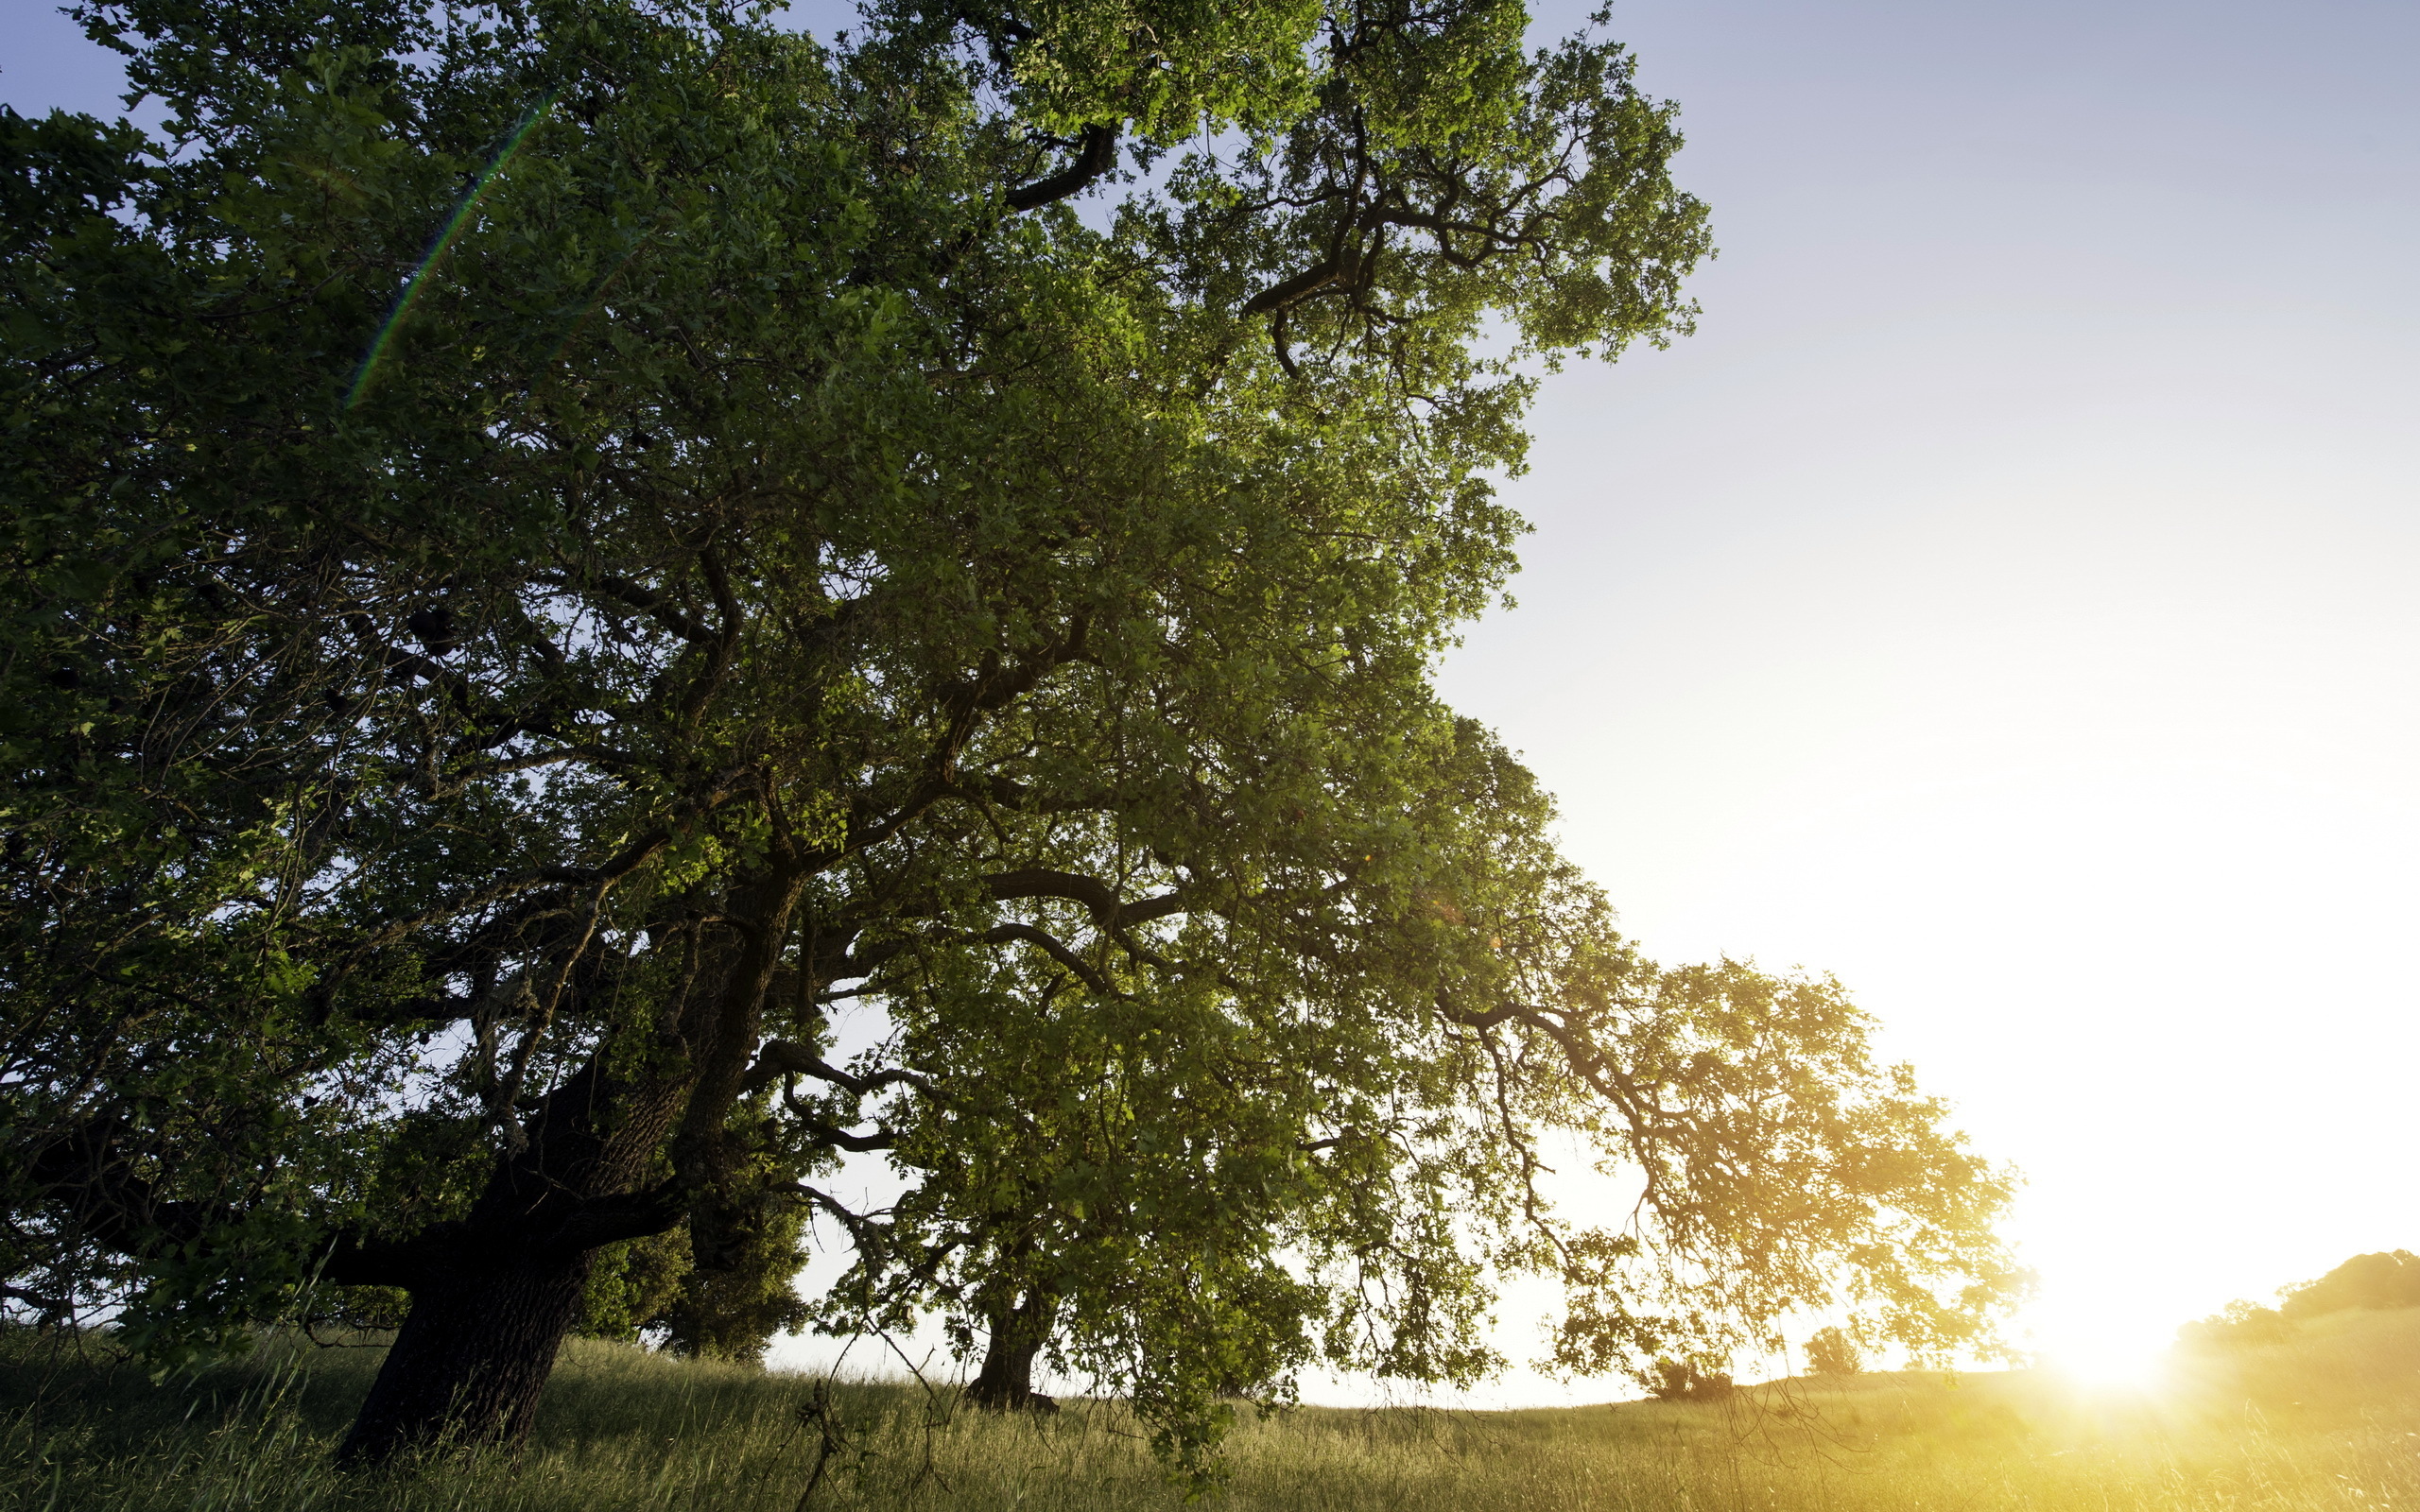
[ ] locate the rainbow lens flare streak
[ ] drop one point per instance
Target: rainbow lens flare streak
(445, 238)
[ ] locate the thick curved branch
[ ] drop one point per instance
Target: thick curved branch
(865, 962)
(777, 1058)
(623, 1215)
(1003, 934)
(1469, 1018)
(883, 1138)
(1338, 269)
(1096, 155)
(1097, 897)
(838, 1138)
(621, 865)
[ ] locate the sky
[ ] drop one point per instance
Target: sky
(2004, 601)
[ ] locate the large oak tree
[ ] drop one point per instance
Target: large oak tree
(550, 545)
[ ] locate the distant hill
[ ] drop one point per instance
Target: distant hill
(2377, 1283)
(2380, 1282)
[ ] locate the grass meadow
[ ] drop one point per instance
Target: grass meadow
(2328, 1421)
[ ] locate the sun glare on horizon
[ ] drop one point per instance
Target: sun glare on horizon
(2118, 1363)
(2102, 1336)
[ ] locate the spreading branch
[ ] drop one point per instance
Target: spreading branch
(1096, 155)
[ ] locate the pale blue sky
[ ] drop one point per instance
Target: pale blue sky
(2005, 600)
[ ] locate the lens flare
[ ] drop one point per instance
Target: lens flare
(444, 239)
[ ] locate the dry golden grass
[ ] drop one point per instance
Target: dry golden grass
(2330, 1420)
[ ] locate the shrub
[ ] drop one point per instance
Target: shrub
(2237, 1326)
(1678, 1381)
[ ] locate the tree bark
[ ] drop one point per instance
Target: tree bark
(493, 1295)
(470, 1361)
(1006, 1381)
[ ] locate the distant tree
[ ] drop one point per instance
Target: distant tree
(1831, 1352)
(2240, 1325)
(634, 1287)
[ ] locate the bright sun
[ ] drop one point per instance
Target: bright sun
(2109, 1362)
(2106, 1327)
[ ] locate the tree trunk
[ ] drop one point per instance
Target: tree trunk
(493, 1295)
(469, 1364)
(1006, 1381)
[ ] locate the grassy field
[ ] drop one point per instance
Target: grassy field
(2331, 1420)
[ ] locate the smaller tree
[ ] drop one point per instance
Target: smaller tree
(1832, 1352)
(1685, 1381)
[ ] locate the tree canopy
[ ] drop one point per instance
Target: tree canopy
(551, 546)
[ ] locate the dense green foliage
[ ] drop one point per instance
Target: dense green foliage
(551, 546)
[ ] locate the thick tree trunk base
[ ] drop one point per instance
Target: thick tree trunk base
(1006, 1381)
(468, 1365)
(1010, 1401)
